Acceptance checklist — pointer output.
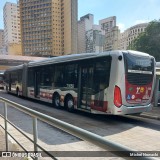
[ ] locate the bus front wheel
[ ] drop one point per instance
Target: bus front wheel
(70, 103)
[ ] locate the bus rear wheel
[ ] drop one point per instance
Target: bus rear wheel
(56, 100)
(70, 103)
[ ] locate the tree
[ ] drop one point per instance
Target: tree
(149, 41)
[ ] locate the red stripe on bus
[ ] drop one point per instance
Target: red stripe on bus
(103, 105)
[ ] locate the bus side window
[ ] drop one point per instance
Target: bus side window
(59, 76)
(45, 78)
(31, 77)
(71, 78)
(102, 74)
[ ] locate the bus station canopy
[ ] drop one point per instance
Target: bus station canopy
(7, 61)
(20, 58)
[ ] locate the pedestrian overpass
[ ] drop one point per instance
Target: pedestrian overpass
(7, 61)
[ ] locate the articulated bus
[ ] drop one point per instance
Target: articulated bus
(113, 82)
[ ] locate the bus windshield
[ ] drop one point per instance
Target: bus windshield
(137, 64)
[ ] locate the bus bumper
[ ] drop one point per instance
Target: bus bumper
(123, 110)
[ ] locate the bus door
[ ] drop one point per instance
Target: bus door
(9, 82)
(86, 83)
(37, 83)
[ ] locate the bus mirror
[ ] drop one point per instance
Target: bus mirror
(120, 58)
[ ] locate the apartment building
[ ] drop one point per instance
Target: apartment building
(84, 24)
(108, 23)
(90, 36)
(48, 27)
(11, 17)
(130, 34)
(111, 33)
(1, 40)
(95, 39)
(111, 39)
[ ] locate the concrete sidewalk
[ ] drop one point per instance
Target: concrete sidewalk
(12, 147)
(154, 114)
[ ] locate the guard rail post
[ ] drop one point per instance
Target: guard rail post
(6, 125)
(35, 135)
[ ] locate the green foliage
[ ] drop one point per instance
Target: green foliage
(149, 41)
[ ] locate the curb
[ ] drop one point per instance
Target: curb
(150, 116)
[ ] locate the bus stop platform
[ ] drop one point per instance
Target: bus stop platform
(154, 114)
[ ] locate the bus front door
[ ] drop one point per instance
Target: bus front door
(85, 92)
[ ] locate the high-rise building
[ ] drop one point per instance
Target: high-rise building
(95, 39)
(90, 36)
(84, 24)
(111, 39)
(130, 34)
(108, 23)
(1, 40)
(11, 17)
(48, 27)
(111, 33)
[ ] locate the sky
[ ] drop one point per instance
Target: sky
(128, 12)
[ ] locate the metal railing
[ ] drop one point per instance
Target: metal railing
(73, 130)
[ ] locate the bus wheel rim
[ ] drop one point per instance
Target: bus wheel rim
(70, 103)
(57, 101)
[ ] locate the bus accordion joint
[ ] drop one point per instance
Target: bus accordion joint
(117, 97)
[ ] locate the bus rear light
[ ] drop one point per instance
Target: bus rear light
(117, 97)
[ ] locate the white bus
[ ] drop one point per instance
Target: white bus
(114, 82)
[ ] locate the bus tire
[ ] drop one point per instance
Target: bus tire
(56, 100)
(69, 103)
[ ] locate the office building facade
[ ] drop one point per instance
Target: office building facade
(11, 19)
(111, 33)
(90, 36)
(48, 27)
(111, 39)
(95, 39)
(84, 24)
(12, 33)
(1, 40)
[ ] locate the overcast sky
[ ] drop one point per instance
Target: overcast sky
(128, 12)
